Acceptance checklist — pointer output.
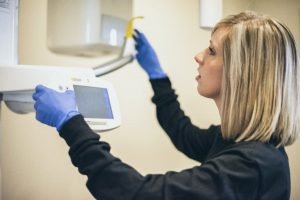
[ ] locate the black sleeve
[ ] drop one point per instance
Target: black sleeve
(187, 138)
(111, 179)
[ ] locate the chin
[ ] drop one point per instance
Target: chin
(199, 90)
(205, 94)
(202, 93)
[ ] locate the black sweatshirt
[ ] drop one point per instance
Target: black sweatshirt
(245, 170)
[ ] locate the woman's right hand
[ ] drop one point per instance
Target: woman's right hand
(54, 108)
(147, 57)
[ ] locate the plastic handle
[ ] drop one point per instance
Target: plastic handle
(129, 32)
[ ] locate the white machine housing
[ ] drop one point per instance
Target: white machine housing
(17, 84)
(87, 27)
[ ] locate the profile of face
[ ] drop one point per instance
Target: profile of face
(210, 68)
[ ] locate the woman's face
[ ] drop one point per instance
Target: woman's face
(211, 67)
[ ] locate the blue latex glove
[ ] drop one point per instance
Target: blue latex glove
(54, 108)
(147, 57)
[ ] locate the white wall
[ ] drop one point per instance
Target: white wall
(35, 162)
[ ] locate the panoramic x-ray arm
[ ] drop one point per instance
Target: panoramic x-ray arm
(113, 65)
(96, 98)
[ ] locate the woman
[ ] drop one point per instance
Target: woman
(251, 71)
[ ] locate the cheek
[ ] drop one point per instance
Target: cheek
(210, 84)
(209, 89)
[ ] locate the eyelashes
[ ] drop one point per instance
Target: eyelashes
(211, 51)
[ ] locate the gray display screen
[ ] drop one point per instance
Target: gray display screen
(93, 102)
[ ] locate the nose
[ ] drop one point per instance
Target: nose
(199, 58)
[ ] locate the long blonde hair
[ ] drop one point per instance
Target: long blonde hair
(261, 88)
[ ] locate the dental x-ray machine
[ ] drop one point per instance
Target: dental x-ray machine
(100, 27)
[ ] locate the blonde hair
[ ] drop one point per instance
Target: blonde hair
(260, 90)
